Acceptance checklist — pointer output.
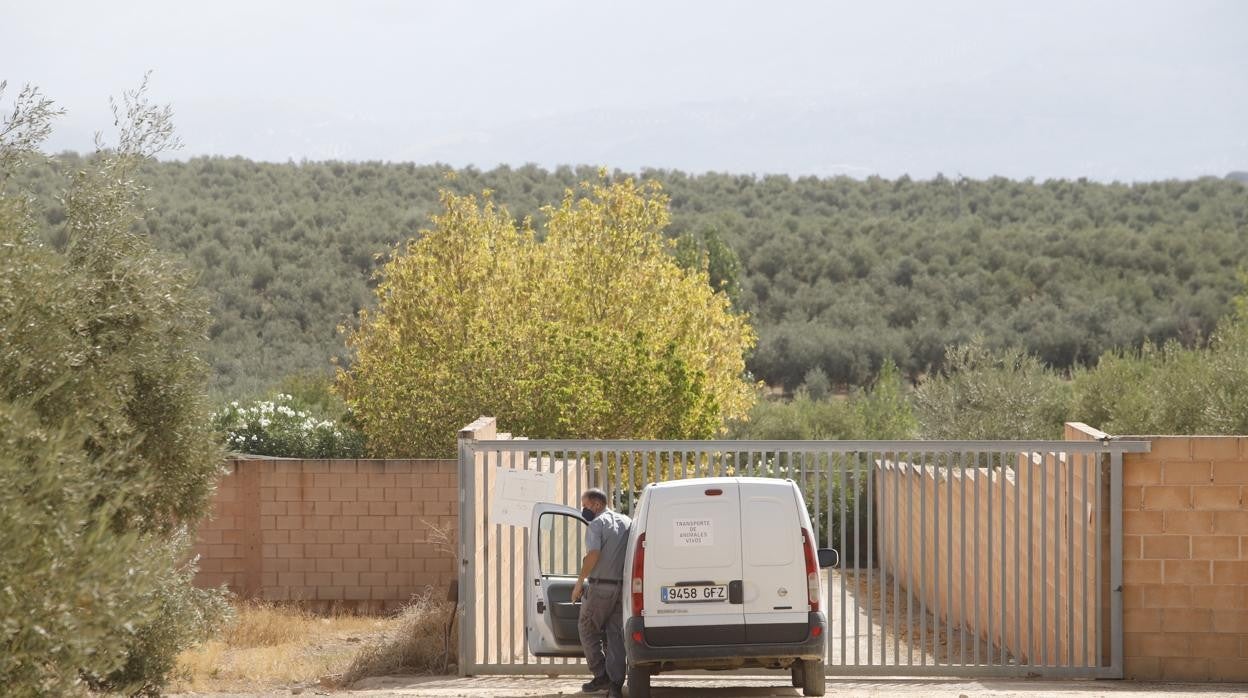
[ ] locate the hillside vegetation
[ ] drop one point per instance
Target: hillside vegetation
(837, 274)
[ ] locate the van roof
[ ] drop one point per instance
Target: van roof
(705, 481)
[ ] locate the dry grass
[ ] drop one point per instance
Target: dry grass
(419, 644)
(268, 646)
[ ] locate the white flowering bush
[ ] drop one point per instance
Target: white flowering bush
(283, 427)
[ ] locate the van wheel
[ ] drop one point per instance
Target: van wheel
(796, 672)
(638, 682)
(814, 680)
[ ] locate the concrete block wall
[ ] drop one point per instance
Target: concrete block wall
(331, 533)
(1185, 559)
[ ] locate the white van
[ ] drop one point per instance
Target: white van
(723, 574)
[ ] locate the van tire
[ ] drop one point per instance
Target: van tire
(638, 682)
(796, 672)
(814, 678)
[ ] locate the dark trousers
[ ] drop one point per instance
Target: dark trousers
(602, 636)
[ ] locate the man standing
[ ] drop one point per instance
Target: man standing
(602, 636)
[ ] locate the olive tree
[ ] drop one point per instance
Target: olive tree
(106, 453)
(984, 394)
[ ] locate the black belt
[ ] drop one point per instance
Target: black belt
(596, 580)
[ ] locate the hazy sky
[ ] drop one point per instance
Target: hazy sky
(1107, 90)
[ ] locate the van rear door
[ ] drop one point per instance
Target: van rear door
(775, 596)
(693, 564)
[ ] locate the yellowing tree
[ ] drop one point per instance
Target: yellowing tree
(591, 332)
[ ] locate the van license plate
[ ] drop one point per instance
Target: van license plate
(695, 593)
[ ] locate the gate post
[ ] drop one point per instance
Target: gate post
(469, 521)
(467, 517)
(1115, 561)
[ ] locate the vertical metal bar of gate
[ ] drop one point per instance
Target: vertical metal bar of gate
(467, 552)
(923, 564)
(910, 562)
(961, 636)
(1115, 557)
(841, 484)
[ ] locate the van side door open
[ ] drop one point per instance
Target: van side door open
(693, 592)
(556, 548)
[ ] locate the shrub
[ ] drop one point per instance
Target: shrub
(424, 643)
(884, 410)
(802, 418)
(106, 454)
(985, 394)
(282, 427)
(183, 617)
(816, 383)
(67, 575)
(1170, 390)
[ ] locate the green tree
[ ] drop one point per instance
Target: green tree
(592, 332)
(1171, 389)
(884, 410)
(107, 452)
(985, 394)
(706, 251)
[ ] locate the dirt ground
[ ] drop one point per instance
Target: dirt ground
(757, 687)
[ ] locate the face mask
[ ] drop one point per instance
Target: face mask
(588, 514)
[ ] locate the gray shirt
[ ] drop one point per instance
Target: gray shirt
(608, 534)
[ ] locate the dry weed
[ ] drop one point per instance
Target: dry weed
(419, 645)
(270, 645)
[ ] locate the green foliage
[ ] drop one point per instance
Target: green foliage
(881, 411)
(706, 251)
(107, 455)
(802, 418)
(315, 392)
(985, 394)
(183, 615)
(884, 411)
(816, 383)
(1170, 390)
(287, 428)
(66, 573)
(592, 332)
(835, 273)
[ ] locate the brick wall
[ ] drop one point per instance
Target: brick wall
(353, 533)
(1185, 559)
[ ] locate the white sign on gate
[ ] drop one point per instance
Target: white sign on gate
(515, 493)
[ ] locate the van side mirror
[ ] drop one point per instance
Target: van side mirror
(828, 558)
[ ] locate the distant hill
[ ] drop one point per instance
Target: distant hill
(837, 273)
(1238, 176)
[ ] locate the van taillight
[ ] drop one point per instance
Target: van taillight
(639, 573)
(812, 570)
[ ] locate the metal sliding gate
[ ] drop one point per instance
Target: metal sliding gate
(958, 558)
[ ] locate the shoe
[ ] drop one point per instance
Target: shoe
(616, 691)
(600, 683)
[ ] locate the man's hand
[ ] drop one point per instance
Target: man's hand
(578, 590)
